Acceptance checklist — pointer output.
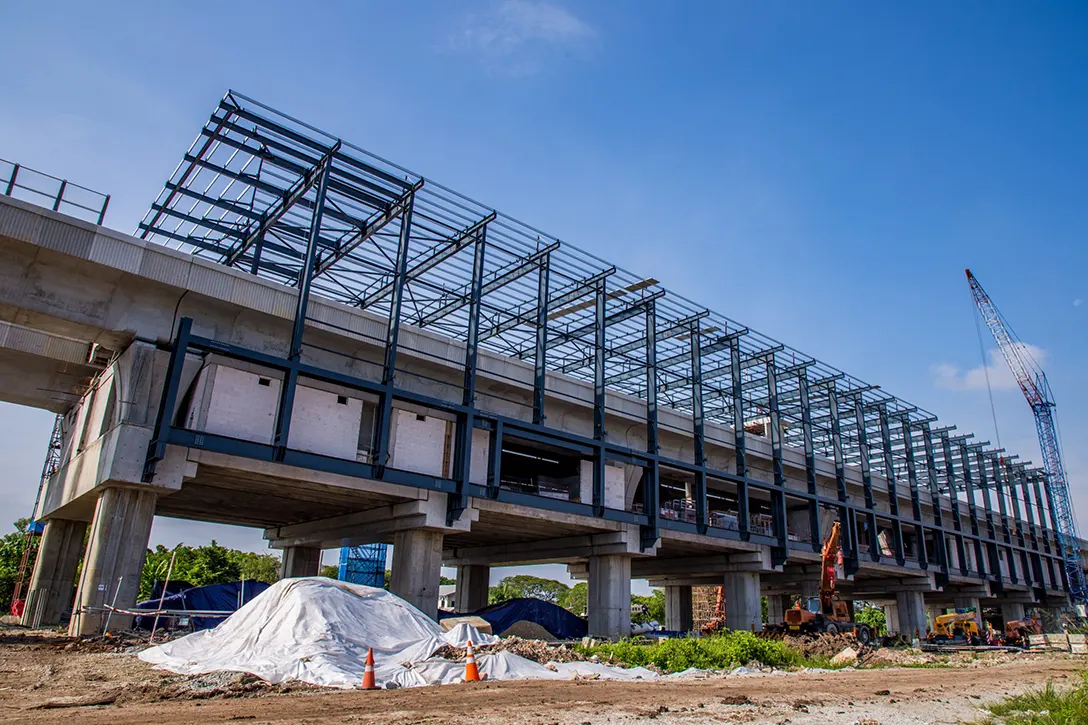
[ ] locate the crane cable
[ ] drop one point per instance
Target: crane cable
(986, 370)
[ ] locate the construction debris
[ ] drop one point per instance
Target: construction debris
(525, 629)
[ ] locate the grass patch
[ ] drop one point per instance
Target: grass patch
(1048, 706)
(718, 652)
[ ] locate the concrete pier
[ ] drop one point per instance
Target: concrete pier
(911, 607)
(777, 604)
(53, 584)
(115, 557)
(970, 603)
(472, 585)
(678, 613)
(742, 601)
(417, 568)
(609, 596)
(1011, 611)
(300, 561)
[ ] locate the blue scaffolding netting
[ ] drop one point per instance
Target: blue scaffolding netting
(363, 564)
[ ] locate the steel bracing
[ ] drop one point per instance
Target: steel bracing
(275, 197)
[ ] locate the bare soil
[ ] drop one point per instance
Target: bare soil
(49, 679)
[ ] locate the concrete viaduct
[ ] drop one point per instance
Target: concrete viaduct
(650, 438)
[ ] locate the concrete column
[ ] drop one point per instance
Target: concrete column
(912, 613)
(970, 603)
(300, 561)
(777, 604)
(932, 612)
(891, 617)
(53, 584)
(678, 617)
(417, 568)
(742, 605)
(115, 557)
(1011, 611)
(472, 584)
(609, 596)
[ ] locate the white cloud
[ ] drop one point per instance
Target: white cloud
(1078, 302)
(952, 377)
(511, 36)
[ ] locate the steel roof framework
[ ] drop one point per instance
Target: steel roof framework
(269, 194)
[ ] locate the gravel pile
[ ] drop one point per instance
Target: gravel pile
(531, 649)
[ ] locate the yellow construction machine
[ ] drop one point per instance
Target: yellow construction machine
(961, 627)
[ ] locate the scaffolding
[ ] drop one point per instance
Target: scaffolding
(363, 565)
(271, 195)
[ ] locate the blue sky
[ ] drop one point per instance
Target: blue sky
(822, 172)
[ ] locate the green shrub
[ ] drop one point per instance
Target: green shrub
(1048, 706)
(719, 652)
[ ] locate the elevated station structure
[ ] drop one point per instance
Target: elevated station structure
(305, 337)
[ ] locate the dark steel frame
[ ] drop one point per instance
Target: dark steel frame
(271, 195)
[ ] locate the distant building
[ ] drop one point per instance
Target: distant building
(447, 596)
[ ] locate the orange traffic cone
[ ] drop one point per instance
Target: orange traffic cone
(368, 671)
(472, 673)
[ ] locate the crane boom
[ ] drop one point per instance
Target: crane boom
(1032, 381)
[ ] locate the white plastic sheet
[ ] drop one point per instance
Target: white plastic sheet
(318, 630)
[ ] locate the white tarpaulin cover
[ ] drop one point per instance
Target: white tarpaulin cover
(318, 630)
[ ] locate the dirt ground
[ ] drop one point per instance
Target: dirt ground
(51, 680)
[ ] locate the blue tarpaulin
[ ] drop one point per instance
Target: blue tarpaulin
(210, 598)
(558, 621)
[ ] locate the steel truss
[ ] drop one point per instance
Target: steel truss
(278, 198)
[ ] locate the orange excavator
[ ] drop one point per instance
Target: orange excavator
(827, 613)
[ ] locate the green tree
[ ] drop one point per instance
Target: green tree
(331, 571)
(260, 567)
(873, 617)
(502, 592)
(11, 553)
(525, 585)
(577, 598)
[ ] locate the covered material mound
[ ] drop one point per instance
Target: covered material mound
(318, 630)
(559, 622)
(210, 598)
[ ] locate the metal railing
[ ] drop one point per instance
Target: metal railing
(61, 195)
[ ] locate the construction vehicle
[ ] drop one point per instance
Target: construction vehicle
(1036, 389)
(1017, 631)
(826, 613)
(958, 628)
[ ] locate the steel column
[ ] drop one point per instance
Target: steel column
(939, 537)
(972, 510)
(457, 502)
(384, 422)
(915, 497)
(282, 433)
(739, 443)
(994, 556)
(957, 521)
(867, 479)
(846, 514)
(651, 478)
(599, 399)
(540, 359)
(156, 448)
(815, 535)
(699, 432)
(893, 492)
(1003, 509)
(779, 553)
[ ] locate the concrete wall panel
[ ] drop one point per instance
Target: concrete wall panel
(419, 443)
